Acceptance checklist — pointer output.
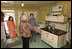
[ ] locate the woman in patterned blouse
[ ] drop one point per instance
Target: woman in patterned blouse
(24, 29)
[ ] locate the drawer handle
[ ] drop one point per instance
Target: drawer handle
(46, 33)
(52, 39)
(47, 36)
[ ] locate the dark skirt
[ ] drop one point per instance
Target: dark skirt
(25, 41)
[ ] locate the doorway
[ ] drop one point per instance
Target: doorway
(9, 42)
(7, 14)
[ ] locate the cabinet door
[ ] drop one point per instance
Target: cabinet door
(55, 40)
(61, 40)
(49, 37)
(43, 34)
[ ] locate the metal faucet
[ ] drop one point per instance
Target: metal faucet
(53, 27)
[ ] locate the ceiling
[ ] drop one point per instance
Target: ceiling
(29, 3)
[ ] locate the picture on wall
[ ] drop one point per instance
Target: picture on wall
(57, 10)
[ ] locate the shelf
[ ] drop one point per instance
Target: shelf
(57, 10)
(55, 18)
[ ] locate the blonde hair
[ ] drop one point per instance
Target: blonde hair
(24, 17)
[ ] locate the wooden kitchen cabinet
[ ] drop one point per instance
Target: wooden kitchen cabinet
(52, 39)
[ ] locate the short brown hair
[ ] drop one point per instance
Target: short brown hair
(31, 14)
(2, 14)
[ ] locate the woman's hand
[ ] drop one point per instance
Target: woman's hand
(35, 28)
(21, 34)
(29, 34)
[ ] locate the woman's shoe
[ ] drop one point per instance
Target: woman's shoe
(34, 40)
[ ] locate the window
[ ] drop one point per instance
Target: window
(27, 14)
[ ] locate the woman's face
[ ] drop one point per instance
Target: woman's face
(31, 16)
(11, 19)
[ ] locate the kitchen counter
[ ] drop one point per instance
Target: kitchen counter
(56, 31)
(54, 38)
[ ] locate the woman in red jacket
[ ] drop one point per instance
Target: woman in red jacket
(11, 27)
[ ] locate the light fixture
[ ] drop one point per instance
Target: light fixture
(4, 1)
(7, 1)
(22, 4)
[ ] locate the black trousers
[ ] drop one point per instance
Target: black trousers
(25, 41)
